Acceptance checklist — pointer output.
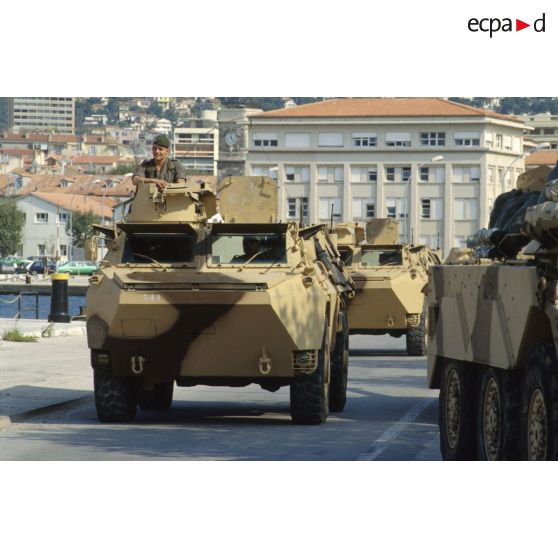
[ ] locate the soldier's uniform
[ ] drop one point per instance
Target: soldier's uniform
(172, 170)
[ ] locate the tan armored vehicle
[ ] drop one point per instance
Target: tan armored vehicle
(493, 332)
(389, 278)
(227, 301)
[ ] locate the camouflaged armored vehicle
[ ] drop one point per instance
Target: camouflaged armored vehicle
(389, 278)
(493, 331)
(190, 296)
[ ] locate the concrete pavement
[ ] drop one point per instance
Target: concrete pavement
(52, 372)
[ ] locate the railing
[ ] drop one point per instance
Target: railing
(20, 308)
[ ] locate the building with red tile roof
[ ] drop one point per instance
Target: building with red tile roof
(435, 165)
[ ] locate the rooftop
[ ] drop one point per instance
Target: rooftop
(383, 107)
(543, 157)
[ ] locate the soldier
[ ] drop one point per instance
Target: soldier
(160, 170)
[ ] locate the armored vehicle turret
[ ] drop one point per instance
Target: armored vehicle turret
(389, 278)
(493, 331)
(199, 290)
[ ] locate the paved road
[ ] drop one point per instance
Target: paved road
(390, 415)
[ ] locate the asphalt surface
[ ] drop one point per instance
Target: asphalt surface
(390, 415)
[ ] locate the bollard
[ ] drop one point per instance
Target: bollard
(28, 279)
(59, 299)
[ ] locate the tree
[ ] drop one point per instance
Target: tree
(11, 228)
(82, 227)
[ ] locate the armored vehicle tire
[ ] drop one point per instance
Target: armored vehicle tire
(158, 399)
(339, 368)
(310, 392)
(539, 406)
(498, 416)
(115, 398)
(457, 412)
(416, 337)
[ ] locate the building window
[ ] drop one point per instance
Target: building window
(364, 208)
(390, 174)
(296, 206)
(41, 218)
(425, 174)
(491, 174)
(433, 139)
(364, 174)
(63, 217)
(330, 207)
(64, 250)
(466, 175)
(465, 209)
(264, 170)
(405, 173)
(395, 208)
(431, 208)
(364, 140)
(265, 140)
(330, 140)
(297, 174)
(499, 141)
(41, 249)
(467, 139)
(297, 140)
(330, 174)
(401, 139)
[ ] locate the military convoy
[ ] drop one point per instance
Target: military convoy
(195, 293)
(390, 278)
(493, 334)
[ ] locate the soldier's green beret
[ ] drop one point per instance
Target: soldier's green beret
(162, 140)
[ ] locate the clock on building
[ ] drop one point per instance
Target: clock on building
(231, 138)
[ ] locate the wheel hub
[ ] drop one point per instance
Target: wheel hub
(537, 427)
(491, 420)
(452, 409)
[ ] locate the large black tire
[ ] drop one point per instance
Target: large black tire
(310, 393)
(339, 368)
(158, 399)
(416, 337)
(115, 398)
(457, 412)
(539, 406)
(498, 416)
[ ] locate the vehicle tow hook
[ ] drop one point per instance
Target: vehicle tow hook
(264, 364)
(137, 363)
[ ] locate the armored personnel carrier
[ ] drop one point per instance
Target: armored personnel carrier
(389, 278)
(493, 331)
(190, 296)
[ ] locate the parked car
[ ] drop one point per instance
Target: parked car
(7, 267)
(78, 268)
(22, 266)
(37, 267)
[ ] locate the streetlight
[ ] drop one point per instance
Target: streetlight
(435, 159)
(538, 147)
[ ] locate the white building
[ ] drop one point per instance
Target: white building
(46, 217)
(544, 128)
(197, 145)
(52, 114)
(353, 159)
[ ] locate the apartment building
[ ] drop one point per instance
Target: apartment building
(52, 114)
(544, 128)
(435, 165)
(196, 146)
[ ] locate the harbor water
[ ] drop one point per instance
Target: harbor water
(10, 306)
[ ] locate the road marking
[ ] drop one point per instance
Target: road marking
(376, 449)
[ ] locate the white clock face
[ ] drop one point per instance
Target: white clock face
(231, 138)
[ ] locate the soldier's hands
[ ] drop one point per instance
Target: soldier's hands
(161, 184)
